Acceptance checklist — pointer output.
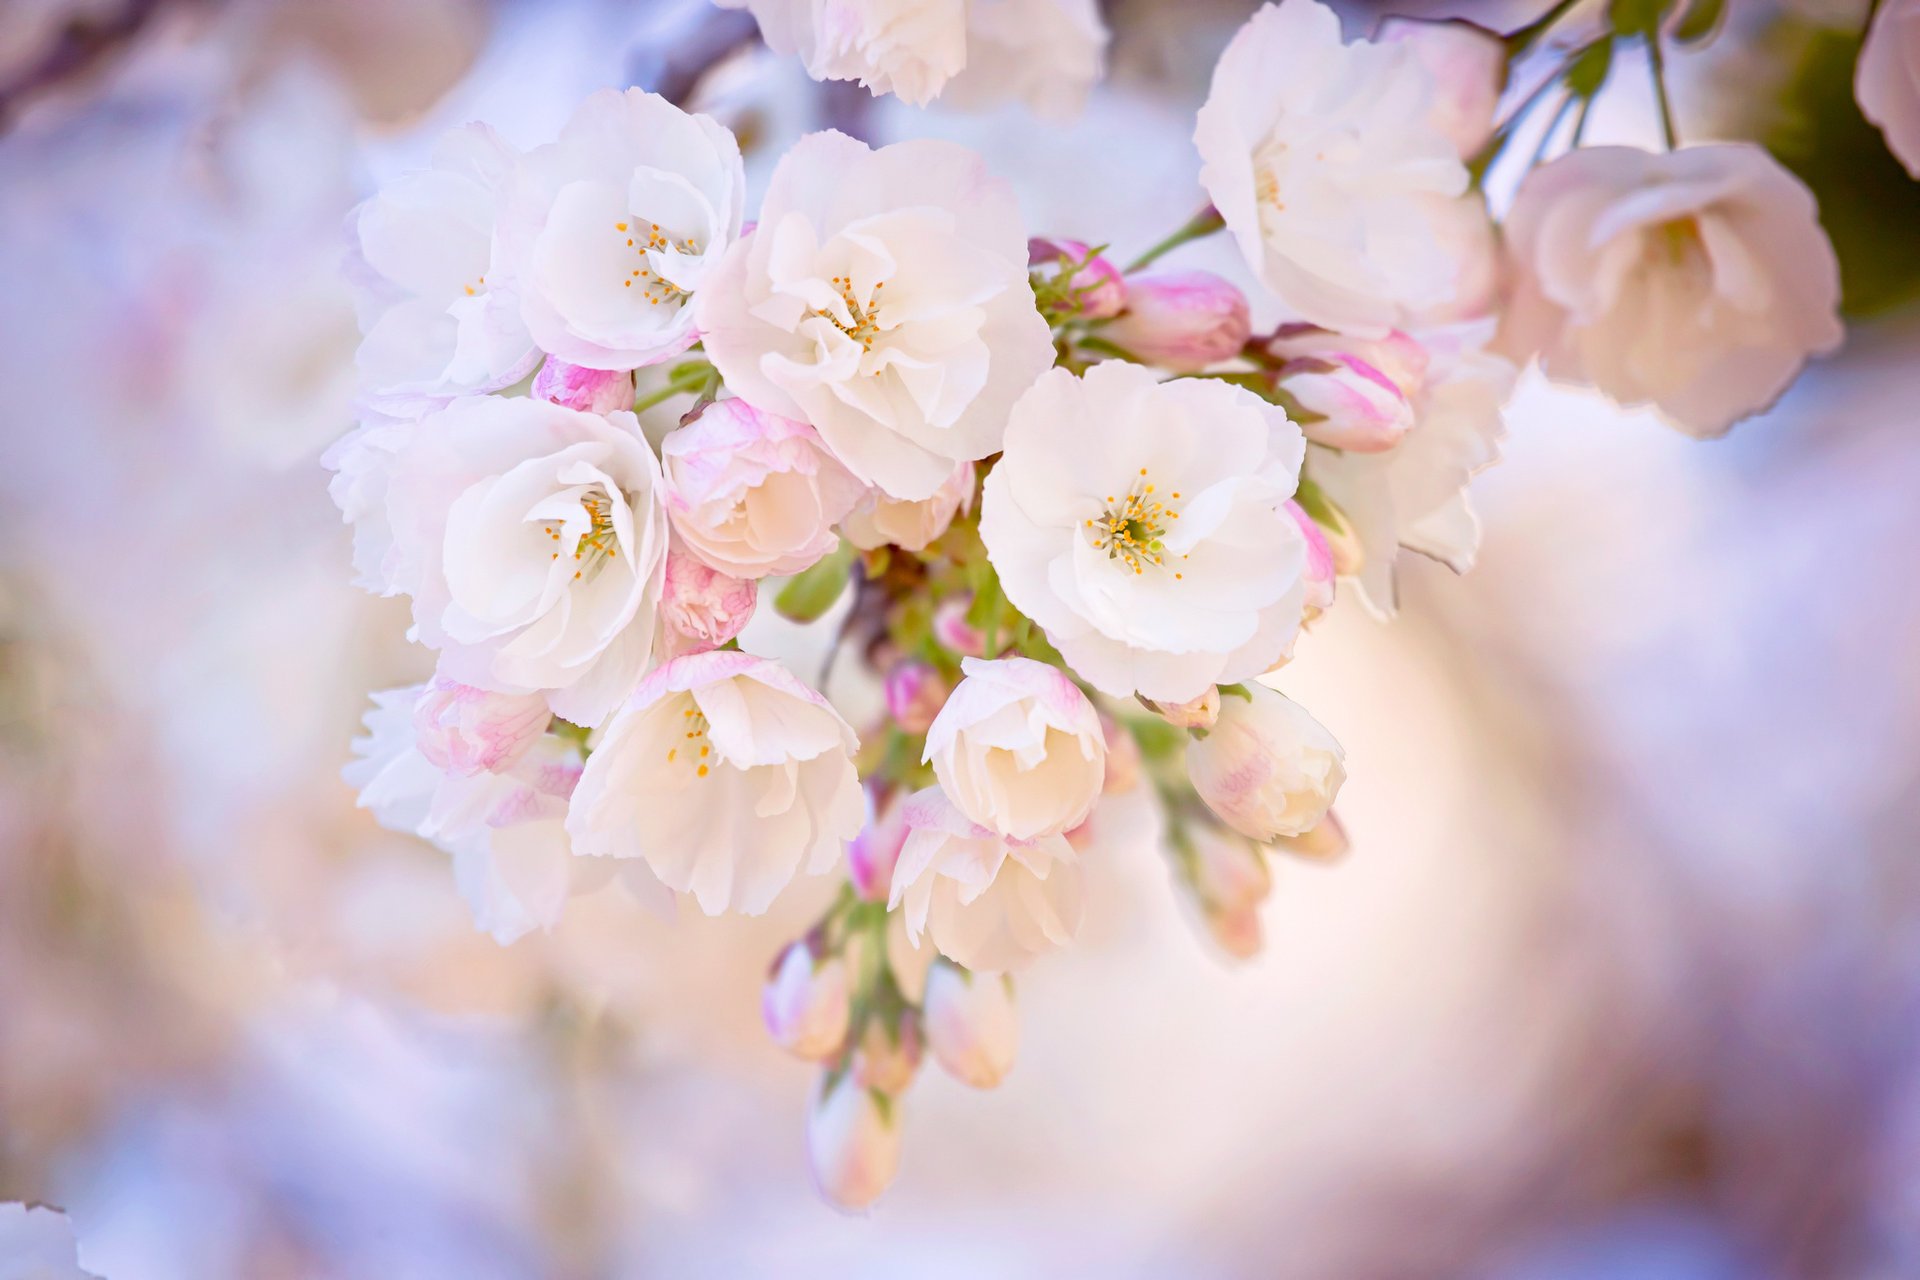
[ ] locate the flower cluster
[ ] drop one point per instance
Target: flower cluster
(1069, 518)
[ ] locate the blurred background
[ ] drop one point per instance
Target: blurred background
(1622, 980)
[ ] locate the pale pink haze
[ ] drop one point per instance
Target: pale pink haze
(853, 1142)
(754, 494)
(1229, 879)
(1698, 281)
(612, 229)
(700, 607)
(986, 901)
(1266, 768)
(1887, 79)
(1018, 748)
(1184, 321)
(883, 298)
(915, 693)
(1044, 53)
(462, 730)
(911, 525)
(806, 1004)
(954, 632)
(578, 387)
(1469, 69)
(1123, 757)
(1139, 524)
(1102, 288)
(972, 1026)
(727, 776)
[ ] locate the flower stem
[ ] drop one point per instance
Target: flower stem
(1201, 225)
(1657, 62)
(1522, 39)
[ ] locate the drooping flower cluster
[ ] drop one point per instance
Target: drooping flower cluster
(1071, 519)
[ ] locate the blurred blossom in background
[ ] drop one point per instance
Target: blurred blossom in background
(1621, 980)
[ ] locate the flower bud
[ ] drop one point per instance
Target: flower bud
(954, 632)
(971, 1024)
(888, 1055)
(806, 1004)
(1267, 768)
(1123, 757)
(1194, 713)
(1326, 842)
(872, 854)
(853, 1142)
(915, 693)
(1102, 290)
(1181, 320)
(1229, 871)
(1237, 932)
(908, 960)
(1320, 570)
(702, 607)
(1359, 409)
(464, 731)
(578, 387)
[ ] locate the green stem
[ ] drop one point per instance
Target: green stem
(1657, 61)
(685, 380)
(1202, 224)
(1524, 38)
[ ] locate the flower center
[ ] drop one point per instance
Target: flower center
(1131, 529)
(478, 286)
(862, 323)
(599, 543)
(645, 239)
(694, 743)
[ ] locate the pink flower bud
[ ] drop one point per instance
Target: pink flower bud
(971, 1025)
(1361, 391)
(701, 607)
(806, 1004)
(464, 731)
(1320, 569)
(888, 1055)
(915, 694)
(872, 854)
(853, 1142)
(578, 387)
(1105, 289)
(953, 631)
(1181, 320)
(1268, 769)
(1229, 871)
(1326, 842)
(1195, 713)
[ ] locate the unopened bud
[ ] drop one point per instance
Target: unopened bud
(888, 1055)
(1099, 287)
(1267, 768)
(871, 855)
(1319, 572)
(701, 607)
(578, 387)
(971, 1024)
(1181, 320)
(853, 1142)
(806, 1004)
(915, 693)
(954, 632)
(1194, 713)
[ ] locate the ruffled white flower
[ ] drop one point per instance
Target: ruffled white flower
(1886, 79)
(1018, 748)
(463, 730)
(726, 776)
(439, 320)
(505, 827)
(1267, 768)
(752, 493)
(531, 538)
(909, 48)
(613, 228)
(1045, 53)
(883, 299)
(1141, 524)
(1696, 280)
(911, 525)
(1321, 157)
(1413, 493)
(986, 901)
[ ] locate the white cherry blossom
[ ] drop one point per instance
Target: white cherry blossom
(1141, 524)
(1018, 748)
(909, 48)
(727, 776)
(883, 299)
(612, 228)
(910, 524)
(1045, 53)
(1323, 160)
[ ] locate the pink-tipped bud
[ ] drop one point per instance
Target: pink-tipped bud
(701, 607)
(1355, 406)
(971, 1024)
(871, 855)
(1194, 713)
(464, 731)
(915, 694)
(888, 1055)
(1225, 880)
(1181, 320)
(1320, 568)
(806, 1004)
(954, 632)
(578, 387)
(1099, 286)
(853, 1142)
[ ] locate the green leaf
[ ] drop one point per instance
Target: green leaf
(810, 593)
(1588, 72)
(1701, 20)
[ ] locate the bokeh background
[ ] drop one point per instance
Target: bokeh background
(1622, 980)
